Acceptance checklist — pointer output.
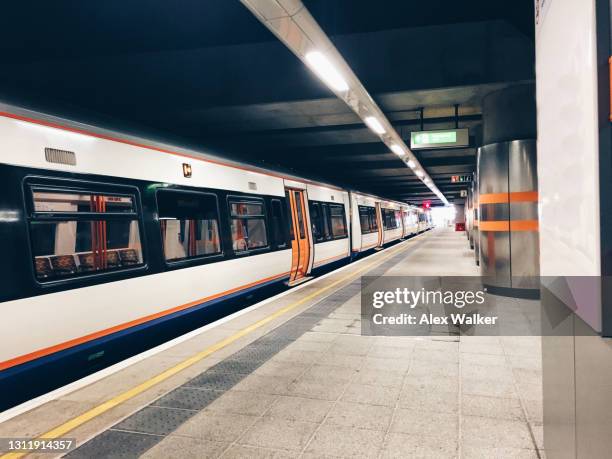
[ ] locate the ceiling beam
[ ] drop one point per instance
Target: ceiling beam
(294, 26)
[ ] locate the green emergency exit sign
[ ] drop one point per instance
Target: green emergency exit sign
(450, 138)
(434, 138)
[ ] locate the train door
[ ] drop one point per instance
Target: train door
(403, 214)
(300, 236)
(381, 229)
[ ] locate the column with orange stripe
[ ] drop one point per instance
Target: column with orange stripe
(509, 198)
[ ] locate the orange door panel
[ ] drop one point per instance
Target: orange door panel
(381, 230)
(300, 239)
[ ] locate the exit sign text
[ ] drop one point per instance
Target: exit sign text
(461, 178)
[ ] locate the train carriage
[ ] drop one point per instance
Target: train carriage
(121, 257)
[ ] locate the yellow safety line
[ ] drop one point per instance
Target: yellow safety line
(68, 426)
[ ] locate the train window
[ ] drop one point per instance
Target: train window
(320, 225)
(189, 224)
(338, 220)
(390, 219)
(50, 202)
(316, 220)
(279, 235)
(368, 220)
(248, 224)
(300, 214)
(76, 232)
(290, 215)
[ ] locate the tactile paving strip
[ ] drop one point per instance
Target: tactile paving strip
(148, 426)
(116, 444)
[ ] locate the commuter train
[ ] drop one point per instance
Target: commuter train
(111, 244)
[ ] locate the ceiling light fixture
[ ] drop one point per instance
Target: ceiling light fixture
(374, 124)
(411, 164)
(326, 71)
(419, 173)
(399, 151)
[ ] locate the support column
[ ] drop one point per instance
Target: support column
(507, 192)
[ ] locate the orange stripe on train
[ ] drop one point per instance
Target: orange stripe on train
(99, 334)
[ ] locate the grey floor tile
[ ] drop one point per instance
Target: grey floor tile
(175, 447)
(248, 403)
(487, 372)
(360, 416)
(495, 433)
(441, 426)
(398, 445)
(535, 410)
(330, 372)
(318, 337)
(430, 355)
(432, 383)
(303, 357)
(471, 452)
(300, 409)
(491, 407)
(313, 346)
(483, 359)
(155, 420)
(339, 441)
(251, 452)
(342, 360)
(220, 427)
(318, 389)
(282, 369)
(389, 352)
(486, 388)
(436, 401)
(270, 385)
(392, 365)
(424, 367)
(371, 395)
(286, 434)
(379, 378)
(350, 348)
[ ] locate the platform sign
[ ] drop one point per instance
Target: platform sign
(461, 178)
(448, 138)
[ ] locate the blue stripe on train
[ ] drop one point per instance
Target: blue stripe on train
(31, 379)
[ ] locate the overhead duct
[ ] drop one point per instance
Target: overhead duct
(293, 24)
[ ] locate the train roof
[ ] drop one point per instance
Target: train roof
(58, 122)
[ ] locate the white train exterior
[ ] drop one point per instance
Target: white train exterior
(109, 237)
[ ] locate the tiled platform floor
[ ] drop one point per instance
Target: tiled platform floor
(326, 391)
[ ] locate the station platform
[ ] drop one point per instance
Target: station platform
(293, 377)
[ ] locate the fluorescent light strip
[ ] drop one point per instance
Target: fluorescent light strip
(411, 164)
(326, 71)
(399, 151)
(374, 124)
(419, 173)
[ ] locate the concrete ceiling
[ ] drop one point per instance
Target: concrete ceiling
(206, 74)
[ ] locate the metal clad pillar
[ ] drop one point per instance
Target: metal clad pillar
(523, 204)
(476, 236)
(494, 215)
(507, 189)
